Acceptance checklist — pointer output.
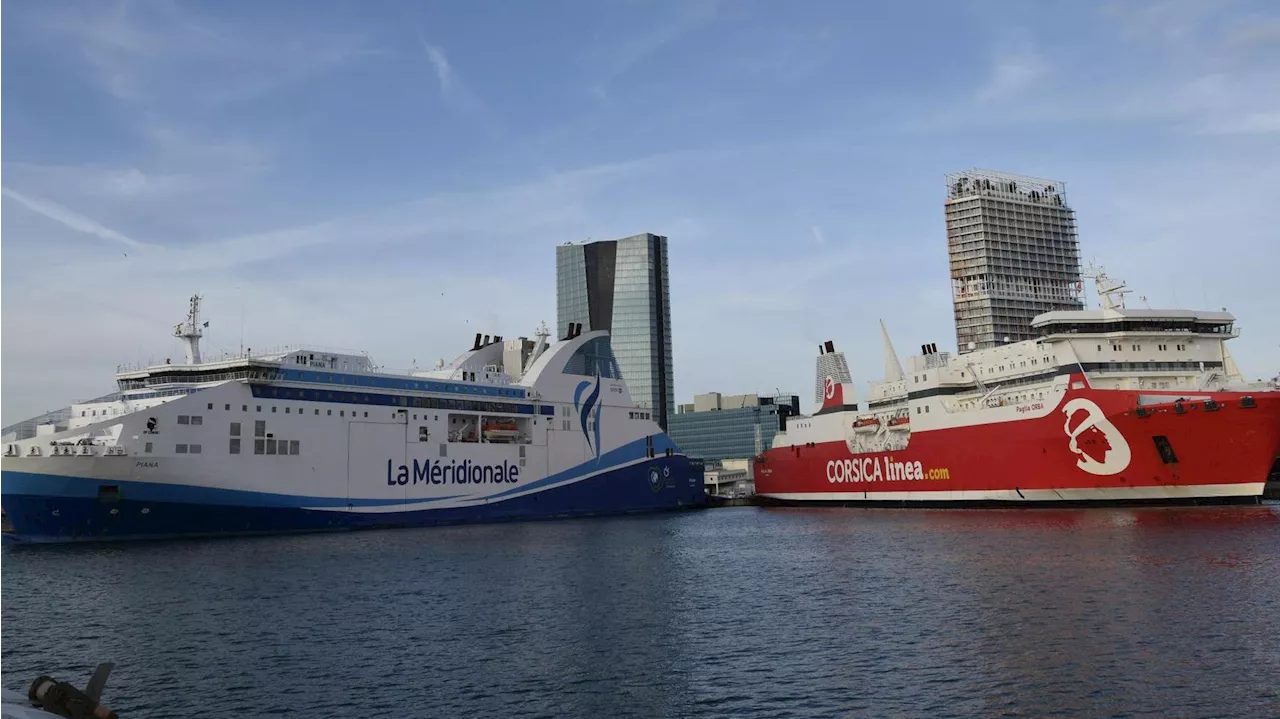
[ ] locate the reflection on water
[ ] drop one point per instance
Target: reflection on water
(731, 612)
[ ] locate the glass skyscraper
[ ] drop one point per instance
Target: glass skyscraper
(621, 286)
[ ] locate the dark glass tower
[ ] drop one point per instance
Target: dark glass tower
(621, 286)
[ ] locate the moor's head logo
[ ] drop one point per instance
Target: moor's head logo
(1100, 447)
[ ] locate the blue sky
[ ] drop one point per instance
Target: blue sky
(395, 176)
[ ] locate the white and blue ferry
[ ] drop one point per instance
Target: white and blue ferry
(308, 439)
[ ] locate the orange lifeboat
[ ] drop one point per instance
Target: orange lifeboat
(501, 430)
(866, 424)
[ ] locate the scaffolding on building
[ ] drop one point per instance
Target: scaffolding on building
(1014, 254)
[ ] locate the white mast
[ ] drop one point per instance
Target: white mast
(892, 367)
(1110, 292)
(540, 335)
(191, 331)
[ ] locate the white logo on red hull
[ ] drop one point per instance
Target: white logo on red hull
(871, 469)
(1116, 455)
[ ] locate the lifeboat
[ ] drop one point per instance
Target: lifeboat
(900, 423)
(866, 424)
(501, 430)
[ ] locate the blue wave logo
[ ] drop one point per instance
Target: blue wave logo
(584, 408)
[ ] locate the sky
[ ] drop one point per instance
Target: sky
(394, 177)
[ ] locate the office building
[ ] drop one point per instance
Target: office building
(717, 427)
(621, 286)
(1014, 255)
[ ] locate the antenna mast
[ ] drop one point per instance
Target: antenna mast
(191, 331)
(1110, 292)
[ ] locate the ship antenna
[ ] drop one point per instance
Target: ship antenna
(541, 335)
(191, 331)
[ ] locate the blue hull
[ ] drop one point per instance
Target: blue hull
(80, 516)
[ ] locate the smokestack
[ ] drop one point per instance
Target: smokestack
(830, 346)
(819, 349)
(486, 341)
(476, 345)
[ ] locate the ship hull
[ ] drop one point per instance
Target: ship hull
(1166, 453)
(143, 510)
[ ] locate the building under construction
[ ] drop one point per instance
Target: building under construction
(1014, 254)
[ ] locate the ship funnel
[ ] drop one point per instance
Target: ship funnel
(892, 367)
(476, 345)
(833, 385)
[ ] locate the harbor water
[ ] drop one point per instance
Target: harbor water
(736, 612)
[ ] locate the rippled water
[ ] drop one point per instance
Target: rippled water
(729, 612)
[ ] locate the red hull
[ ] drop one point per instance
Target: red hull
(1223, 452)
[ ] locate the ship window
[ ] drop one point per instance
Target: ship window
(317, 413)
(271, 446)
(342, 413)
(926, 409)
(180, 449)
(235, 445)
(259, 446)
(210, 405)
(147, 448)
(1099, 348)
(444, 450)
(260, 428)
(366, 414)
(328, 412)
(593, 358)
(273, 409)
(286, 410)
(917, 410)
(235, 429)
(197, 419)
(259, 408)
(195, 449)
(182, 419)
(293, 446)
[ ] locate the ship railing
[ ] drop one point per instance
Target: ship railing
(270, 353)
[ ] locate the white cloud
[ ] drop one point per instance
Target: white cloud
(1252, 123)
(71, 219)
(1012, 72)
(165, 56)
(439, 63)
(616, 55)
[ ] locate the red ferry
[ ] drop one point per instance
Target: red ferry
(1109, 405)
